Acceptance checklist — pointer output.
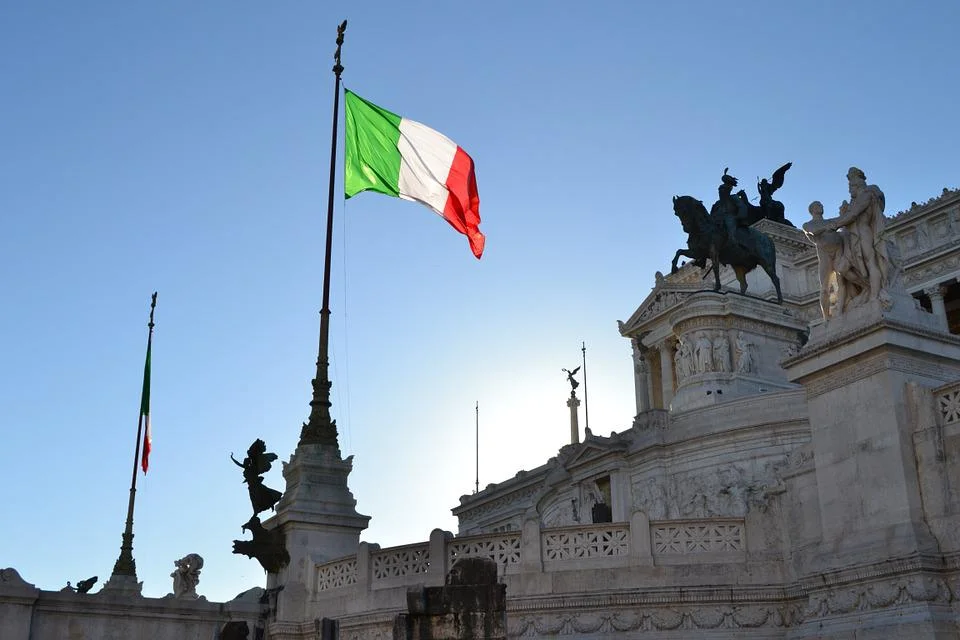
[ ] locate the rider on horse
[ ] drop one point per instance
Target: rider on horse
(729, 211)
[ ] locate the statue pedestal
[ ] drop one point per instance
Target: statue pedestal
(855, 371)
(318, 517)
(730, 346)
(122, 585)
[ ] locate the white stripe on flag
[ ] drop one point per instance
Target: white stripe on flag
(425, 160)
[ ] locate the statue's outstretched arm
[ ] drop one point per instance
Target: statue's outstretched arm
(858, 206)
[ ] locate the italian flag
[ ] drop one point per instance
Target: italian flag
(402, 158)
(145, 411)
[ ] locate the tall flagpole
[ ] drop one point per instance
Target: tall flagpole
(586, 401)
(320, 428)
(125, 569)
(476, 486)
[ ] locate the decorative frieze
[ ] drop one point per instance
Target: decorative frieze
(653, 619)
(938, 270)
(916, 207)
(662, 301)
(652, 419)
(516, 498)
(730, 492)
(877, 595)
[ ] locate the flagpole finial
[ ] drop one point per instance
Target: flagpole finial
(337, 67)
(153, 305)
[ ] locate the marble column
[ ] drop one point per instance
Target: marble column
(935, 293)
(573, 402)
(641, 378)
(666, 372)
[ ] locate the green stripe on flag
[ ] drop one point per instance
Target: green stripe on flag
(371, 156)
(145, 396)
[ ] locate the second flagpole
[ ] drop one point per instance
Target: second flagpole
(124, 576)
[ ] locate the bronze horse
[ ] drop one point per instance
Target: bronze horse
(708, 239)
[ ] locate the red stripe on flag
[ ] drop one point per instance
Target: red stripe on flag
(462, 209)
(147, 445)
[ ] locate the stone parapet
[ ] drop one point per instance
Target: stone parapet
(27, 613)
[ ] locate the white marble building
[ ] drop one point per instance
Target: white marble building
(784, 477)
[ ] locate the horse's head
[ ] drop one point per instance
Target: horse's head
(690, 211)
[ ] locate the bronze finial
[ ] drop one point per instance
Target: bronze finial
(153, 305)
(337, 67)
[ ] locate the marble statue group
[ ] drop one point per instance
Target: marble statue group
(857, 264)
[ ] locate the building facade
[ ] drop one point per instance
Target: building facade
(783, 477)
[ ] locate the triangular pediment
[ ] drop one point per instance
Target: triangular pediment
(594, 448)
(664, 298)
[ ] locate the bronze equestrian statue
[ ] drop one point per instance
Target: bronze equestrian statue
(724, 236)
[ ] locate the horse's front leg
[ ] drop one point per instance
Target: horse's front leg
(673, 265)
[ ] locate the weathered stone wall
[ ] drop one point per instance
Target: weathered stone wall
(27, 613)
(471, 606)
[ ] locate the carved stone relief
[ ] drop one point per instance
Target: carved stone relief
(726, 492)
(721, 353)
(746, 354)
(662, 301)
(877, 595)
(703, 351)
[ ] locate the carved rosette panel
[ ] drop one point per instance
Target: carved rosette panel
(338, 574)
(502, 549)
(948, 404)
(586, 542)
(403, 561)
(697, 537)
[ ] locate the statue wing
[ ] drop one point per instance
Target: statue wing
(263, 462)
(777, 180)
(574, 372)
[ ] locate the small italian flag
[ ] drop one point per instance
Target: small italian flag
(402, 158)
(145, 411)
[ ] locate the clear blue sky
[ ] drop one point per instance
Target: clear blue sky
(184, 146)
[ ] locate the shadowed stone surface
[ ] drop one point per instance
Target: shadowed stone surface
(470, 605)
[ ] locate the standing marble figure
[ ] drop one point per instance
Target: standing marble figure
(852, 249)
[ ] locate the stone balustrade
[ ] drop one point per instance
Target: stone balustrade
(502, 548)
(611, 545)
(585, 542)
(400, 562)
